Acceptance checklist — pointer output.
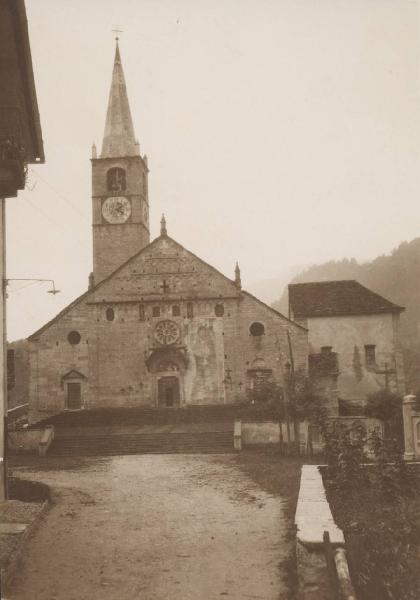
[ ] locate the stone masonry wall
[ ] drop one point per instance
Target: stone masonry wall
(117, 358)
(114, 244)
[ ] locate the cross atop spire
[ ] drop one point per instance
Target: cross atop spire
(117, 31)
(119, 138)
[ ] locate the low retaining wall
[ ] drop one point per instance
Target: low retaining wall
(30, 441)
(267, 432)
(313, 517)
(310, 441)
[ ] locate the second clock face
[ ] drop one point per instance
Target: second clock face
(116, 209)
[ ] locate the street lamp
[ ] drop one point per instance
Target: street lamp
(53, 290)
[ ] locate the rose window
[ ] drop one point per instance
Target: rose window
(166, 332)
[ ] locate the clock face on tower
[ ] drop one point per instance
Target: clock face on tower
(116, 209)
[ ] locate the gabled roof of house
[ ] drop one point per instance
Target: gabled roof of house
(334, 298)
(86, 294)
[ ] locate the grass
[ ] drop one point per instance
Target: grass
(379, 513)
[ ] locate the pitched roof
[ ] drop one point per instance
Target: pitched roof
(89, 292)
(18, 97)
(119, 138)
(332, 298)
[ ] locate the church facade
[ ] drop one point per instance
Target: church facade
(158, 326)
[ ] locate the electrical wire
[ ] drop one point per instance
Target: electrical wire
(59, 195)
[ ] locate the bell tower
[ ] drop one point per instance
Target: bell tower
(120, 204)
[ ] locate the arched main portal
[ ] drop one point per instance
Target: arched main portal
(167, 367)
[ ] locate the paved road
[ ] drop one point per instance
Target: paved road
(154, 527)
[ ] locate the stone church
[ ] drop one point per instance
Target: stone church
(158, 326)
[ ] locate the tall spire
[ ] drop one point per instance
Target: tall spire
(119, 139)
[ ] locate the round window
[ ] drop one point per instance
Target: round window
(257, 329)
(166, 332)
(110, 314)
(74, 337)
(219, 310)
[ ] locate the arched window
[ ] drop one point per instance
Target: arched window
(110, 314)
(219, 310)
(256, 329)
(115, 180)
(142, 313)
(190, 310)
(74, 338)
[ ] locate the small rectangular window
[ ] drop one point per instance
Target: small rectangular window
(326, 349)
(190, 310)
(156, 311)
(142, 313)
(176, 310)
(370, 355)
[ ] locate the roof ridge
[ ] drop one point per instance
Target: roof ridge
(337, 297)
(325, 281)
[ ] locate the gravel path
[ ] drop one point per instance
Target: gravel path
(154, 527)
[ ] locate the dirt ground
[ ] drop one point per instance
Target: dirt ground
(155, 527)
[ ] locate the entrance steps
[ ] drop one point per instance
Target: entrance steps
(101, 417)
(97, 441)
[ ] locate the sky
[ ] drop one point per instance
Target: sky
(279, 133)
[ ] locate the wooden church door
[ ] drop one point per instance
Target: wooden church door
(74, 396)
(168, 391)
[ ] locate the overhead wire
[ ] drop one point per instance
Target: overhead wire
(83, 244)
(59, 194)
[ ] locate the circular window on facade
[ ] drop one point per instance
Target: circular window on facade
(219, 310)
(74, 338)
(166, 332)
(257, 329)
(110, 314)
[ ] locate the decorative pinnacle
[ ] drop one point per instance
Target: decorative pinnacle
(163, 230)
(238, 282)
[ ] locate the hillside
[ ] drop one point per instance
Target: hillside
(395, 276)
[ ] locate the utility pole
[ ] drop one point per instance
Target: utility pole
(292, 393)
(3, 354)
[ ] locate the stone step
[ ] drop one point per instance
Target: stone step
(143, 444)
(149, 415)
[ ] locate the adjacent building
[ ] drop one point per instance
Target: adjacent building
(20, 144)
(354, 342)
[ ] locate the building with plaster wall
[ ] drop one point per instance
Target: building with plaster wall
(354, 339)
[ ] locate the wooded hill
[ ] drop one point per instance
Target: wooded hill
(395, 276)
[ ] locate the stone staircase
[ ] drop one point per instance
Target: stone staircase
(143, 430)
(99, 443)
(102, 417)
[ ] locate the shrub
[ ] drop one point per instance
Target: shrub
(387, 406)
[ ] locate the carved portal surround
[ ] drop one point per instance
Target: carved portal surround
(167, 363)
